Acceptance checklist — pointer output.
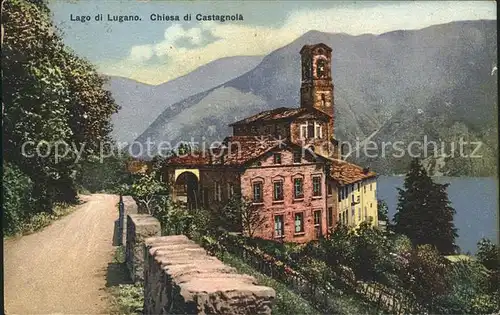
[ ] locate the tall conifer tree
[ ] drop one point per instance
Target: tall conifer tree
(424, 212)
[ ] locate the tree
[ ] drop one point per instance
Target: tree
(488, 254)
(239, 214)
(251, 218)
(383, 211)
(150, 193)
(424, 212)
(50, 96)
(425, 275)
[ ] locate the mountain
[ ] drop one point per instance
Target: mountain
(438, 82)
(141, 103)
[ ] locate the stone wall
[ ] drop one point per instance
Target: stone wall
(130, 207)
(180, 278)
(139, 228)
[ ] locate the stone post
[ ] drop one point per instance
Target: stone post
(139, 227)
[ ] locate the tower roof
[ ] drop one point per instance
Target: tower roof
(311, 47)
(280, 113)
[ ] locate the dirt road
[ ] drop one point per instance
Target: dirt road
(62, 269)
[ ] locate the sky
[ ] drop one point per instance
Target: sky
(155, 52)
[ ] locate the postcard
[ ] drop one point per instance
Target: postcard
(250, 157)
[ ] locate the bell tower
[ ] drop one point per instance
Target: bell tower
(316, 90)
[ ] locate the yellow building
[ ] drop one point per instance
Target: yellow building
(357, 198)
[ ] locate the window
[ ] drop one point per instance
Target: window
(366, 213)
(303, 131)
(317, 131)
(279, 228)
(330, 216)
(353, 213)
(230, 190)
(370, 187)
(359, 214)
(310, 130)
(316, 186)
(359, 186)
(321, 68)
(257, 192)
(330, 189)
(370, 204)
(352, 197)
(299, 222)
(277, 158)
(278, 190)
(218, 191)
(298, 188)
(364, 189)
(340, 194)
(317, 223)
(297, 156)
(323, 99)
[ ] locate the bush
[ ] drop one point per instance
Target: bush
(94, 176)
(17, 198)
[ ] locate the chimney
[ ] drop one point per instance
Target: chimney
(366, 170)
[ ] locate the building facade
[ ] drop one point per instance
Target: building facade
(287, 162)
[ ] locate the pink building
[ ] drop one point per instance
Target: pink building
(285, 160)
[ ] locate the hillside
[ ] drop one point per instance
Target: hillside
(397, 86)
(141, 103)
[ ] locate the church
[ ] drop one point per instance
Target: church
(287, 162)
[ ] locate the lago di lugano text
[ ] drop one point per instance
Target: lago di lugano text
(157, 17)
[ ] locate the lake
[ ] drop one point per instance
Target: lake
(475, 200)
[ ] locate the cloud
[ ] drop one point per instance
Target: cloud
(177, 40)
(188, 48)
(141, 53)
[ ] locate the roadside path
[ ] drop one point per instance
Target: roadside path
(62, 269)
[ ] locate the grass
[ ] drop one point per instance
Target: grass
(286, 302)
(39, 221)
(125, 296)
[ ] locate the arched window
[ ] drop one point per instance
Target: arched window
(321, 68)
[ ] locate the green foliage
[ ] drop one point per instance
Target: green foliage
(424, 274)
(371, 261)
(488, 254)
(150, 193)
(128, 299)
(467, 280)
(401, 244)
(108, 176)
(286, 302)
(239, 214)
(16, 192)
(383, 211)
(424, 211)
(50, 96)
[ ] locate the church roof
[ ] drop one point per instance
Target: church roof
(280, 113)
(238, 150)
(310, 47)
(346, 173)
(241, 150)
